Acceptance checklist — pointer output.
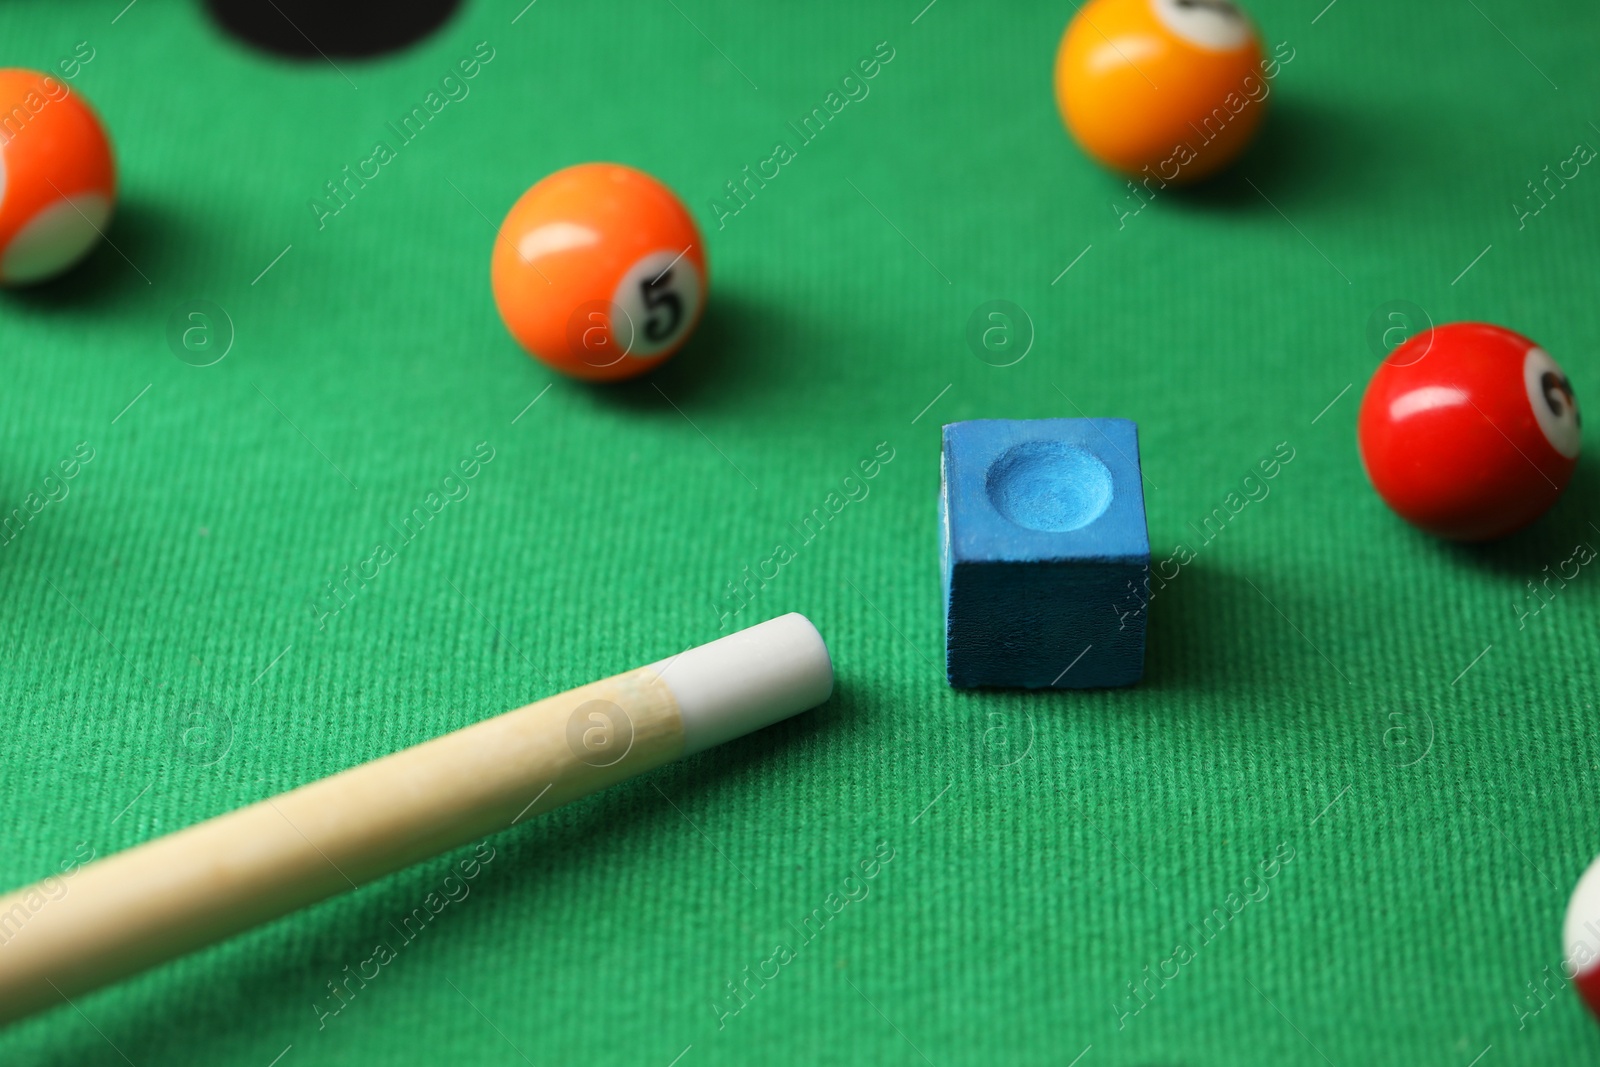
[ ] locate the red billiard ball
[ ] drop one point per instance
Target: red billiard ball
(599, 271)
(1469, 431)
(1580, 937)
(58, 180)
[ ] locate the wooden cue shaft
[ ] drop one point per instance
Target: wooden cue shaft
(175, 894)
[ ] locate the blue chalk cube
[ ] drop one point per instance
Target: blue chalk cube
(1045, 553)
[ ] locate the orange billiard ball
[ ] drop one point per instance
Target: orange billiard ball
(58, 180)
(1168, 88)
(599, 271)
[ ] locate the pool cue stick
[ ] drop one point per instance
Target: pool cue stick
(170, 896)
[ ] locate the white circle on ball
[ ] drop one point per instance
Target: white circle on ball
(659, 299)
(55, 238)
(1217, 25)
(1554, 405)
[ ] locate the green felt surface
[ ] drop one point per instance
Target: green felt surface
(1323, 682)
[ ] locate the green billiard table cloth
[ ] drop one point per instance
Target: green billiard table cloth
(1339, 819)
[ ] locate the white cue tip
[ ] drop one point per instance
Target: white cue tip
(750, 679)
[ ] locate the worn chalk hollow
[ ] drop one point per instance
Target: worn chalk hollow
(218, 878)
